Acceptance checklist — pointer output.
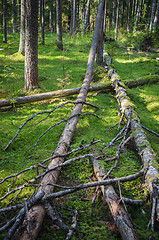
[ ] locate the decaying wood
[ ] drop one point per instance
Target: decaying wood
(66, 136)
(50, 95)
(137, 133)
(120, 216)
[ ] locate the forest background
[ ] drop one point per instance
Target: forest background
(132, 40)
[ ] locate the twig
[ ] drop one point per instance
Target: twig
(73, 226)
(114, 139)
(50, 158)
(48, 112)
(93, 200)
(151, 131)
(64, 120)
(94, 184)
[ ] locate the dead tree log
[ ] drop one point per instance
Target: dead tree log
(49, 95)
(137, 133)
(120, 216)
(37, 213)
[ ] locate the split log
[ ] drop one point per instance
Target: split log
(119, 215)
(143, 146)
(37, 213)
(50, 95)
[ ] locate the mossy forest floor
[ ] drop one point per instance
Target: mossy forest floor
(129, 65)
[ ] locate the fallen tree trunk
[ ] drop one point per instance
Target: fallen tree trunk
(137, 133)
(120, 216)
(49, 95)
(37, 213)
(72, 91)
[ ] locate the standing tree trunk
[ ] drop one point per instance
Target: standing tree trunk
(137, 15)
(105, 17)
(19, 13)
(31, 45)
(14, 15)
(4, 21)
(117, 20)
(59, 24)
(22, 29)
(42, 18)
(86, 19)
(156, 20)
(74, 18)
(152, 14)
(38, 211)
(51, 16)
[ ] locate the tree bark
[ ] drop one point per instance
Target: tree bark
(118, 213)
(51, 16)
(117, 19)
(49, 95)
(31, 45)
(37, 212)
(14, 15)
(42, 12)
(22, 29)
(59, 24)
(152, 14)
(86, 17)
(137, 15)
(4, 21)
(156, 20)
(142, 144)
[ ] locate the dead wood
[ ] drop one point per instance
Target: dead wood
(67, 134)
(137, 133)
(120, 216)
(51, 95)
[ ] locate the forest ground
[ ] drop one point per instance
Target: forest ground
(129, 64)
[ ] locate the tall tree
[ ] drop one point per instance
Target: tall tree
(156, 20)
(117, 19)
(14, 15)
(42, 19)
(152, 14)
(137, 14)
(74, 18)
(86, 19)
(31, 44)
(51, 16)
(4, 21)
(59, 24)
(22, 28)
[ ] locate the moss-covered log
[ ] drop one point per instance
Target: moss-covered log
(120, 216)
(50, 95)
(143, 146)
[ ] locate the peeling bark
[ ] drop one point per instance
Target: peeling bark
(119, 215)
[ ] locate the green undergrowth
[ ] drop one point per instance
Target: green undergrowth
(100, 225)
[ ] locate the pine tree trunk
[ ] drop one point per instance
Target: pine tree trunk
(4, 21)
(22, 29)
(42, 12)
(51, 16)
(59, 24)
(74, 19)
(31, 45)
(117, 19)
(137, 15)
(86, 17)
(14, 15)
(156, 20)
(152, 14)
(38, 211)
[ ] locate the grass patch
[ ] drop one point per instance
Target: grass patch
(145, 98)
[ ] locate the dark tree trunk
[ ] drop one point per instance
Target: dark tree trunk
(128, 16)
(117, 20)
(42, 18)
(59, 24)
(74, 18)
(86, 19)
(19, 12)
(51, 16)
(14, 15)
(156, 20)
(22, 29)
(4, 21)
(31, 44)
(113, 15)
(122, 14)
